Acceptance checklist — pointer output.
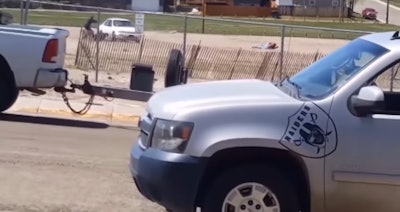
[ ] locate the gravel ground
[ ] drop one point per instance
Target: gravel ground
(294, 44)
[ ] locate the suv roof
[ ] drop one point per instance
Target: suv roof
(389, 40)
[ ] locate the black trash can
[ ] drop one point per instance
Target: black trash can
(5, 18)
(142, 77)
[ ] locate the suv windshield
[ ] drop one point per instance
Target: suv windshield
(332, 71)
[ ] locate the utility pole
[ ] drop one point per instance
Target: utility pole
(387, 11)
(203, 12)
(26, 12)
(351, 8)
(340, 10)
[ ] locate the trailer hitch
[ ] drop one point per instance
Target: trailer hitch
(175, 74)
(108, 93)
(111, 92)
(73, 88)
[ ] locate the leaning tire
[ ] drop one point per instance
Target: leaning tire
(8, 90)
(251, 188)
(174, 68)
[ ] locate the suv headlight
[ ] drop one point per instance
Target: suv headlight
(171, 136)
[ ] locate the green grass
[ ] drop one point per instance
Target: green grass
(158, 22)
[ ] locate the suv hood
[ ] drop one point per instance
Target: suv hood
(166, 103)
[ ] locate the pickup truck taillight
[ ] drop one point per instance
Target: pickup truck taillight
(51, 51)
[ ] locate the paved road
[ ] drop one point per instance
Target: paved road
(45, 167)
(380, 7)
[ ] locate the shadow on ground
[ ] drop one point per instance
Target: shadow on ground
(52, 121)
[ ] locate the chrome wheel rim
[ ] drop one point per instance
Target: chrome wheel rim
(250, 197)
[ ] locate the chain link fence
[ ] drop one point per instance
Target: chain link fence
(215, 48)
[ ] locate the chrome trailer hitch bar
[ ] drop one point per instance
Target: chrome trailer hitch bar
(107, 92)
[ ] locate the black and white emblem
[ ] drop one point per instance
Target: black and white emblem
(310, 132)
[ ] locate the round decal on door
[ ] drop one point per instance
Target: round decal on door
(310, 132)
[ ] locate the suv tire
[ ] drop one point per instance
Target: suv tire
(242, 187)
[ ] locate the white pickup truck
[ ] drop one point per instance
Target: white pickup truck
(30, 58)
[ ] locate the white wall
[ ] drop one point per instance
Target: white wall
(146, 5)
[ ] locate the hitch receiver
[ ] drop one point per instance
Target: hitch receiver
(109, 92)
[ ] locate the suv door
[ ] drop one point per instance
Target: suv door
(364, 172)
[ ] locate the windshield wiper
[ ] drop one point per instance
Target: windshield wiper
(295, 85)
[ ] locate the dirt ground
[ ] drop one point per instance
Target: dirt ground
(303, 45)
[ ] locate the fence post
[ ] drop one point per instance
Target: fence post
(21, 6)
(184, 39)
(141, 48)
(203, 13)
(78, 48)
(234, 63)
(282, 51)
(27, 4)
(192, 60)
(98, 44)
(262, 69)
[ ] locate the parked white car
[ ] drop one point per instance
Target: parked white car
(118, 28)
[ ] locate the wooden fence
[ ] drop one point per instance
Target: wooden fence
(204, 62)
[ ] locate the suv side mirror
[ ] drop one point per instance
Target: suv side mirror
(370, 99)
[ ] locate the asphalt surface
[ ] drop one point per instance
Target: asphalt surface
(380, 7)
(50, 164)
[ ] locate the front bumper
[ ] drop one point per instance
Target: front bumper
(172, 180)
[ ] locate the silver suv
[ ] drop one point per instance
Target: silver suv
(322, 140)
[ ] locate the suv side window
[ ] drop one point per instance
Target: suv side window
(389, 82)
(108, 23)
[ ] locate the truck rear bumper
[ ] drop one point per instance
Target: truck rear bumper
(49, 78)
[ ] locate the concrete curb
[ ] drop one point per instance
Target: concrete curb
(91, 114)
(115, 113)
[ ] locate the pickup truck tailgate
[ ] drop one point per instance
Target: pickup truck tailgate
(24, 48)
(51, 33)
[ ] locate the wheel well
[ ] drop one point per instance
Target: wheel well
(282, 160)
(8, 72)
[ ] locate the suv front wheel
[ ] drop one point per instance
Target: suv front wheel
(251, 188)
